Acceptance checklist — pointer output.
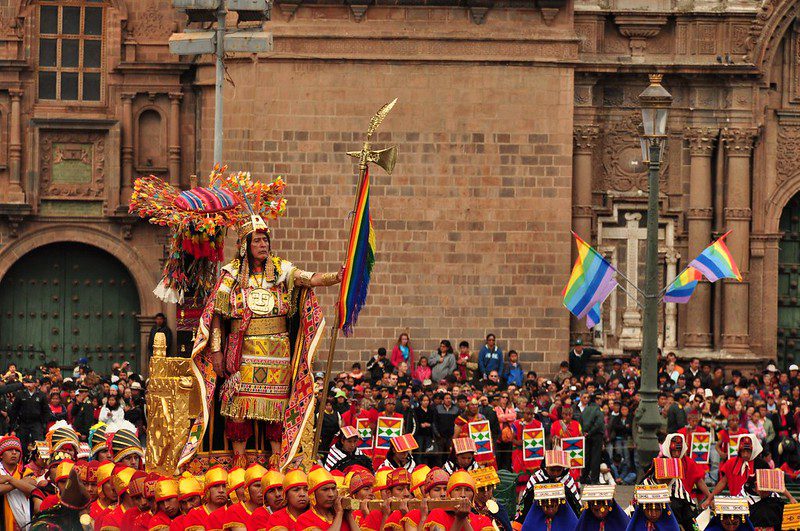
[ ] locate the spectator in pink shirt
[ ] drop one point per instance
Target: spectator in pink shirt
(402, 351)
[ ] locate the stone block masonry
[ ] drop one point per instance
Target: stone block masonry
(473, 226)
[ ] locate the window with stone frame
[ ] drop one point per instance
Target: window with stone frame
(70, 65)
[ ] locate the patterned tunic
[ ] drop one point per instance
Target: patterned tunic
(256, 316)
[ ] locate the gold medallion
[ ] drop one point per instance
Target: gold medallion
(261, 301)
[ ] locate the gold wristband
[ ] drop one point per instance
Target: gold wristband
(329, 279)
(303, 278)
(216, 340)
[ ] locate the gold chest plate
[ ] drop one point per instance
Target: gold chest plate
(261, 301)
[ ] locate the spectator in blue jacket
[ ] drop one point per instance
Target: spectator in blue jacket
(490, 357)
(512, 371)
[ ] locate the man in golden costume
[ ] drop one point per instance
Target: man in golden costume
(250, 341)
(261, 322)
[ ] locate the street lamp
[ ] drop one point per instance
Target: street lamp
(655, 102)
(220, 40)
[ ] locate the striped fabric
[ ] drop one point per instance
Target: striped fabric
(676, 489)
(526, 499)
(450, 467)
(335, 455)
(205, 199)
(410, 465)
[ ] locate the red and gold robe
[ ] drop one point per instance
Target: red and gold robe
(177, 524)
(97, 510)
(237, 515)
(142, 522)
(159, 522)
(441, 519)
(197, 519)
(112, 520)
(129, 518)
(312, 519)
(259, 519)
(282, 519)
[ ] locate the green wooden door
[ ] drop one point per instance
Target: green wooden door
(788, 279)
(65, 301)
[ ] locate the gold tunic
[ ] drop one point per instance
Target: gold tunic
(264, 378)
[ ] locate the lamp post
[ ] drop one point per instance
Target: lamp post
(655, 102)
(219, 41)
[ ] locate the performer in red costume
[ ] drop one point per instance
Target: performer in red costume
(272, 489)
(214, 491)
(461, 486)
(295, 488)
(106, 495)
(168, 507)
(326, 513)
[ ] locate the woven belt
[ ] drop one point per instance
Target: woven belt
(262, 326)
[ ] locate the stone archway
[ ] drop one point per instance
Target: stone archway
(65, 301)
(788, 343)
(142, 275)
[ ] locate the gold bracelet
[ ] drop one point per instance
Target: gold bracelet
(329, 279)
(216, 340)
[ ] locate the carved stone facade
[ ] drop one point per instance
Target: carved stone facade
(508, 113)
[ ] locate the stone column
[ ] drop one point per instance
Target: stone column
(15, 192)
(700, 215)
(735, 295)
(127, 148)
(174, 140)
(584, 138)
(671, 308)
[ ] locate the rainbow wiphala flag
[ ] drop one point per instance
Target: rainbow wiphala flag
(716, 262)
(360, 260)
(681, 289)
(591, 282)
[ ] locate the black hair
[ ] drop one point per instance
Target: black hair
(463, 344)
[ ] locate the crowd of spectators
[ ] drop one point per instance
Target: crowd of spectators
(588, 395)
(32, 402)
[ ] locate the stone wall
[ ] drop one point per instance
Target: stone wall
(472, 227)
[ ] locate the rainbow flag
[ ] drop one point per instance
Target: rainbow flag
(360, 259)
(592, 280)
(716, 262)
(681, 289)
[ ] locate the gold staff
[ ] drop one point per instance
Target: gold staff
(385, 158)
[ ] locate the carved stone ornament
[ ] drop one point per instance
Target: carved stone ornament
(288, 9)
(788, 152)
(150, 24)
(701, 140)
(72, 165)
(757, 26)
(737, 214)
(639, 28)
(621, 153)
(739, 141)
(585, 138)
(478, 14)
(359, 11)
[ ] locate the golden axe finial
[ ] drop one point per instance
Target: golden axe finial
(160, 345)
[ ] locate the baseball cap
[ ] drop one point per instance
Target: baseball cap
(794, 367)
(320, 375)
(771, 368)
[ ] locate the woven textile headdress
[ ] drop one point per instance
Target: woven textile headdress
(198, 220)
